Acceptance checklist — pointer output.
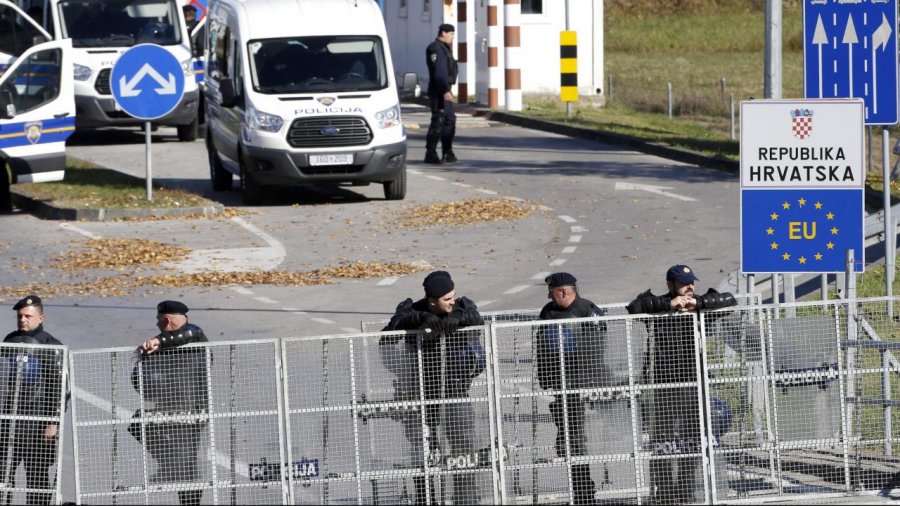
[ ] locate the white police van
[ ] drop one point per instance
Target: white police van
(37, 105)
(101, 30)
(301, 91)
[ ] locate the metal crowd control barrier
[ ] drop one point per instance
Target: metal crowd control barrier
(390, 418)
(197, 422)
(32, 403)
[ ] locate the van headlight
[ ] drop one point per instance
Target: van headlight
(188, 67)
(389, 117)
(81, 72)
(263, 121)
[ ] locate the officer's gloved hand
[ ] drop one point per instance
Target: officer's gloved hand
(449, 325)
(430, 321)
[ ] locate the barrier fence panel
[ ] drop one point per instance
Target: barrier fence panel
(32, 397)
(195, 423)
(390, 418)
(594, 409)
(799, 398)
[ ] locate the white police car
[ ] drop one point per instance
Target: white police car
(37, 101)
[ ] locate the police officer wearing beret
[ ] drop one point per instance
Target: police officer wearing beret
(36, 376)
(441, 312)
(674, 412)
(584, 348)
(174, 379)
(442, 72)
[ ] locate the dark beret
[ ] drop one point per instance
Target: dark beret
(560, 279)
(446, 27)
(681, 273)
(437, 284)
(171, 307)
(31, 300)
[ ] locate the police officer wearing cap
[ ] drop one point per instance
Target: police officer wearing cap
(36, 376)
(584, 348)
(674, 416)
(174, 380)
(442, 313)
(442, 72)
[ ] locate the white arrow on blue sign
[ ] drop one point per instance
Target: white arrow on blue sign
(147, 81)
(850, 51)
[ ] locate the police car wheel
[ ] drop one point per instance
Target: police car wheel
(251, 191)
(218, 175)
(188, 133)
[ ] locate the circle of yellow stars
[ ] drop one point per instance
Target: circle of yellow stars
(786, 256)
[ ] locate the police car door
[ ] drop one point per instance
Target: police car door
(37, 111)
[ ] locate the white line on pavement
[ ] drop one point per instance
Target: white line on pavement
(387, 281)
(79, 230)
(241, 290)
(322, 320)
(569, 249)
(266, 300)
(567, 219)
(540, 276)
(516, 289)
(574, 238)
(558, 261)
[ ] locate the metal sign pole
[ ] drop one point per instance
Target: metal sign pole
(147, 162)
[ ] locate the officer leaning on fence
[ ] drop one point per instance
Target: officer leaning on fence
(674, 416)
(584, 349)
(174, 380)
(442, 73)
(33, 388)
(462, 357)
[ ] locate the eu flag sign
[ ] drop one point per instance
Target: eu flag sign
(803, 230)
(802, 177)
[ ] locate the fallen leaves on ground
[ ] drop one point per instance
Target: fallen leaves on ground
(464, 212)
(121, 285)
(118, 253)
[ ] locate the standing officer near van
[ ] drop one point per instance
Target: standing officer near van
(442, 72)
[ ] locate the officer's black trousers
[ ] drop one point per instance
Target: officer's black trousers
(582, 484)
(442, 127)
(30, 449)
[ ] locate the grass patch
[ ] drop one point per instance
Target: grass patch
(87, 186)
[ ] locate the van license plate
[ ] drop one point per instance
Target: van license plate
(332, 159)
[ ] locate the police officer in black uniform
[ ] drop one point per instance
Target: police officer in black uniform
(463, 356)
(34, 388)
(674, 412)
(5, 187)
(442, 73)
(175, 381)
(584, 348)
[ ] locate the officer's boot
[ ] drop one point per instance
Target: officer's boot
(447, 141)
(432, 138)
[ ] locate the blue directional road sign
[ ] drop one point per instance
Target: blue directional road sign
(147, 81)
(800, 230)
(850, 51)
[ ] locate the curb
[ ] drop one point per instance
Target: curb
(42, 209)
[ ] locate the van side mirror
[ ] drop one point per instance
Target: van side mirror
(410, 88)
(7, 106)
(229, 96)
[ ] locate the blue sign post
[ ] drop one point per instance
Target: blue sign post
(147, 82)
(850, 51)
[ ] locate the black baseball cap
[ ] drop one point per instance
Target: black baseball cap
(171, 307)
(681, 273)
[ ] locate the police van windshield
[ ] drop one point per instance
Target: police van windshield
(317, 64)
(120, 23)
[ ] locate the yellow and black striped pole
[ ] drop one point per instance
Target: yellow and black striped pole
(568, 66)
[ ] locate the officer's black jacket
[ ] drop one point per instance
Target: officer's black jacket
(586, 358)
(410, 315)
(39, 397)
(175, 378)
(673, 339)
(442, 68)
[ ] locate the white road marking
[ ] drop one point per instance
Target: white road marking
(569, 249)
(266, 300)
(540, 276)
(241, 290)
(658, 190)
(387, 281)
(464, 185)
(557, 262)
(79, 230)
(236, 259)
(575, 238)
(322, 320)
(486, 192)
(483, 303)
(567, 219)
(516, 289)
(436, 178)
(577, 229)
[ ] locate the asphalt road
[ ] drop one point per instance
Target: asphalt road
(614, 218)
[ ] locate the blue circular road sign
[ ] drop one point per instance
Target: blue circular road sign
(147, 81)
